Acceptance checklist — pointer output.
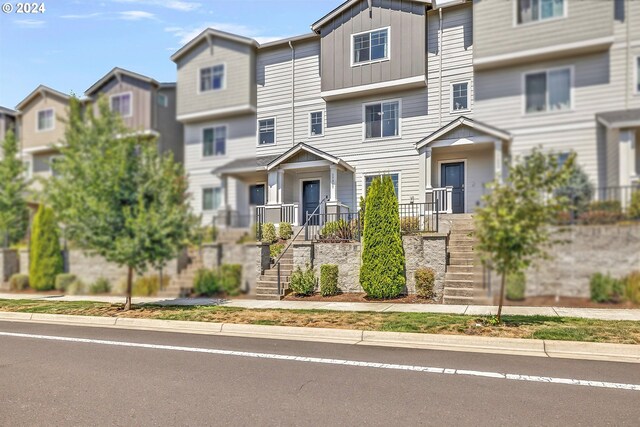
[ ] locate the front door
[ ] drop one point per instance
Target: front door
(310, 198)
(453, 175)
(256, 195)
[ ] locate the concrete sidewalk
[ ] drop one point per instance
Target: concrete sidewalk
(472, 310)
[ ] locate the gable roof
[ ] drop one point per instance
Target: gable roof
(309, 149)
(316, 26)
(211, 32)
(115, 71)
(620, 119)
(38, 91)
(7, 111)
(464, 121)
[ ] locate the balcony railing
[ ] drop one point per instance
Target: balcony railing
(440, 198)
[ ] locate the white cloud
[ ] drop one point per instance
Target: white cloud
(186, 34)
(81, 16)
(136, 15)
(180, 5)
(29, 23)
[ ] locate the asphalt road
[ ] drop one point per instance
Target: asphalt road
(57, 382)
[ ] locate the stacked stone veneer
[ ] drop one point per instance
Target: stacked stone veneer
(9, 264)
(245, 254)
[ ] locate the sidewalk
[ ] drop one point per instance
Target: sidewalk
(473, 310)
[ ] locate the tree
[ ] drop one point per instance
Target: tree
(512, 223)
(117, 196)
(382, 271)
(14, 213)
(578, 190)
(45, 256)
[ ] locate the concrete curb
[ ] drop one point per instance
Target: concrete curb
(510, 346)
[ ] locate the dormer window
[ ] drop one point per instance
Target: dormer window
(212, 78)
(121, 104)
(370, 46)
(45, 120)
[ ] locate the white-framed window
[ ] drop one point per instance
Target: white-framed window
(28, 169)
(52, 164)
(370, 46)
(382, 119)
(266, 131)
(316, 125)
(459, 96)
(211, 198)
(212, 78)
(539, 10)
(637, 85)
(46, 120)
(548, 90)
(163, 100)
(121, 104)
(214, 141)
(395, 177)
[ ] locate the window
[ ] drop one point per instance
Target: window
(214, 141)
(121, 104)
(267, 131)
(562, 158)
(211, 198)
(45, 119)
(256, 195)
(212, 78)
(368, 179)
(382, 119)
(460, 96)
(316, 123)
(548, 91)
(638, 74)
(28, 171)
(539, 10)
(370, 46)
(163, 100)
(52, 165)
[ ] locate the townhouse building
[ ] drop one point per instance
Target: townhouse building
(7, 122)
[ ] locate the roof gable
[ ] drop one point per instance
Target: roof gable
(459, 123)
(206, 36)
(39, 91)
(115, 73)
(302, 148)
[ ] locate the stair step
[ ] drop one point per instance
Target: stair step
(458, 300)
(268, 297)
(283, 279)
(268, 291)
(458, 283)
(453, 276)
(459, 292)
(461, 269)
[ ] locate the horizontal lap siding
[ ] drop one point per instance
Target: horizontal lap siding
(29, 136)
(141, 98)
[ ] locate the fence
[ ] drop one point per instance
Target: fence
(419, 217)
(334, 227)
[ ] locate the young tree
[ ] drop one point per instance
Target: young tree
(117, 196)
(512, 223)
(45, 256)
(382, 271)
(14, 214)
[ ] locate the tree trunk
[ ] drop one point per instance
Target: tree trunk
(502, 282)
(127, 304)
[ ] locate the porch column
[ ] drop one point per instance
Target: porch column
(273, 211)
(497, 159)
(225, 191)
(427, 167)
(272, 188)
(333, 172)
(280, 185)
(627, 157)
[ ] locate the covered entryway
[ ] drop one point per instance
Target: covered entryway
(310, 197)
(452, 175)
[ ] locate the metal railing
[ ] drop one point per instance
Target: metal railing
(289, 213)
(441, 198)
(334, 227)
(419, 217)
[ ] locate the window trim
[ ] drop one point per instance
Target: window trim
(387, 58)
(571, 108)
(210, 187)
(53, 121)
(311, 135)
(636, 74)
(213, 126)
(224, 78)
(466, 110)
(364, 120)
(130, 93)
(275, 132)
(164, 104)
(50, 162)
(565, 10)
(391, 172)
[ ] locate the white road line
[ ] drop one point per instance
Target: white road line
(415, 368)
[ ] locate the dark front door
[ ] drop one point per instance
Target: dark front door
(256, 195)
(310, 198)
(453, 175)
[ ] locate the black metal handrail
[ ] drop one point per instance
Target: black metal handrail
(419, 217)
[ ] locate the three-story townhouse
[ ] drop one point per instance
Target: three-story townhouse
(7, 121)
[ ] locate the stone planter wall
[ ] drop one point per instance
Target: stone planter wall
(216, 254)
(9, 264)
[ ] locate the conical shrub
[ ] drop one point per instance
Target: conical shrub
(45, 257)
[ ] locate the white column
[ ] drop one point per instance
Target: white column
(225, 191)
(272, 187)
(627, 157)
(280, 185)
(427, 167)
(333, 173)
(497, 159)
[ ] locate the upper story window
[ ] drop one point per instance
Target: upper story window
(548, 90)
(459, 96)
(368, 180)
(163, 100)
(55, 170)
(266, 131)
(370, 46)
(45, 120)
(214, 141)
(121, 104)
(539, 10)
(212, 78)
(316, 125)
(638, 74)
(382, 119)
(211, 198)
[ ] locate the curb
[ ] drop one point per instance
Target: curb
(509, 346)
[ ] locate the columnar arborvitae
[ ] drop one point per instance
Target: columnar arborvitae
(382, 270)
(45, 258)
(14, 214)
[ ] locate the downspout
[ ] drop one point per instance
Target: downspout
(440, 69)
(627, 90)
(293, 94)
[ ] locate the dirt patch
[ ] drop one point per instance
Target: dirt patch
(573, 302)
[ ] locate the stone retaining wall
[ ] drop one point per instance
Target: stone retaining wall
(9, 264)
(245, 254)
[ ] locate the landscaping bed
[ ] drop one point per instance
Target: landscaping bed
(570, 302)
(359, 297)
(529, 327)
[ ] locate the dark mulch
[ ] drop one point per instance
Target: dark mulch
(359, 297)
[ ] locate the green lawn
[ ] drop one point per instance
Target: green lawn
(539, 327)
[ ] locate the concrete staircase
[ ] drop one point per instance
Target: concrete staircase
(231, 235)
(461, 279)
(182, 285)
(267, 283)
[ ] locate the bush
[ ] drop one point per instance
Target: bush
(578, 190)
(64, 280)
(206, 282)
(285, 231)
(147, 286)
(210, 234)
(45, 258)
(328, 280)
(410, 224)
(100, 286)
(269, 233)
(634, 205)
(605, 288)
(18, 282)
(275, 249)
(425, 282)
(382, 271)
(337, 231)
(303, 282)
(606, 212)
(77, 287)
(231, 279)
(516, 283)
(632, 287)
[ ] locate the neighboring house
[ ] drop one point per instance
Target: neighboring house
(145, 105)
(7, 121)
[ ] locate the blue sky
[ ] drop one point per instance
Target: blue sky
(75, 42)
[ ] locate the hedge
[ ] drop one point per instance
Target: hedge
(285, 231)
(64, 280)
(18, 282)
(302, 282)
(328, 280)
(425, 282)
(269, 233)
(516, 286)
(45, 258)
